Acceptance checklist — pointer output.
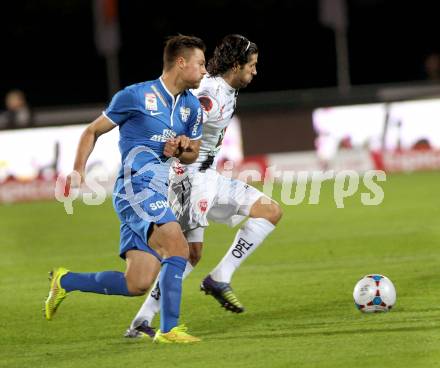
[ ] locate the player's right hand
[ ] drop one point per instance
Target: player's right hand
(73, 181)
(170, 147)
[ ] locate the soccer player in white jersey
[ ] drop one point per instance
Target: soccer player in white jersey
(198, 192)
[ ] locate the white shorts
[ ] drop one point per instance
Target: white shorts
(203, 196)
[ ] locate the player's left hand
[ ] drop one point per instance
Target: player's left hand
(183, 142)
(175, 146)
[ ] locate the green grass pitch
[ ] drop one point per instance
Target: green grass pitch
(297, 288)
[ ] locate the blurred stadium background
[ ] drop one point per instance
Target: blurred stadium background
(342, 85)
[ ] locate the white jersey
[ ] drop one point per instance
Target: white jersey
(218, 100)
(197, 192)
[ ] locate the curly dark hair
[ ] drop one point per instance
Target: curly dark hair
(176, 46)
(232, 50)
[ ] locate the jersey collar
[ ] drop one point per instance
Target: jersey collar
(167, 94)
(226, 85)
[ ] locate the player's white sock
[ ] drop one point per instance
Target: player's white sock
(151, 305)
(248, 238)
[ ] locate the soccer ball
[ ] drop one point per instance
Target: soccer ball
(374, 293)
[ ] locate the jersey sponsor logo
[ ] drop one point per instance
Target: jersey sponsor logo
(166, 134)
(203, 205)
(159, 205)
(241, 248)
(206, 103)
(178, 169)
(150, 102)
(155, 113)
(196, 125)
(184, 113)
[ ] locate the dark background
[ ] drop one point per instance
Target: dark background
(48, 47)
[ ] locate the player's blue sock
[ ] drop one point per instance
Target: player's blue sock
(107, 282)
(171, 291)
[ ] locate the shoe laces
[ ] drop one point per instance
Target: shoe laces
(181, 328)
(230, 297)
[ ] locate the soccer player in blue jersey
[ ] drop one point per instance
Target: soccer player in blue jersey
(157, 120)
(199, 193)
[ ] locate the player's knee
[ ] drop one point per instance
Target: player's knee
(274, 213)
(134, 291)
(182, 251)
(270, 211)
(138, 282)
(195, 253)
(177, 247)
(175, 243)
(137, 287)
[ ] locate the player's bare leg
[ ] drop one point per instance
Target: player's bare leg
(142, 270)
(169, 242)
(141, 325)
(267, 216)
(134, 273)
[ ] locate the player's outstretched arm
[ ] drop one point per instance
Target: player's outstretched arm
(99, 126)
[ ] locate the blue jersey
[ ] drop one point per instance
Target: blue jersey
(148, 115)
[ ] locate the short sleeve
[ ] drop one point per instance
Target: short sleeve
(122, 104)
(194, 130)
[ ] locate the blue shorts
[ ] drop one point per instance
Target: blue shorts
(137, 218)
